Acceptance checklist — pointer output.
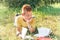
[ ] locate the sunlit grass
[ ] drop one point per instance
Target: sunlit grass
(56, 5)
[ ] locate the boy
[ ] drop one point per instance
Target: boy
(25, 21)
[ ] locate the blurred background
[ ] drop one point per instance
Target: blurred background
(47, 14)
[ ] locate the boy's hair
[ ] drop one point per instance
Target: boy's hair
(27, 7)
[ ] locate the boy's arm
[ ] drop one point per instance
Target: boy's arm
(32, 25)
(18, 25)
(18, 30)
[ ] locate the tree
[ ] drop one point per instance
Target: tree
(33, 3)
(19, 3)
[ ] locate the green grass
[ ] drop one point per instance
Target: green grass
(49, 10)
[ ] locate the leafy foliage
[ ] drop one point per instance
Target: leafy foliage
(19, 3)
(33, 3)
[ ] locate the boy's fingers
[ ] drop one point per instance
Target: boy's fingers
(18, 34)
(31, 30)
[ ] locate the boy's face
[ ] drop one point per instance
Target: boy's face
(28, 15)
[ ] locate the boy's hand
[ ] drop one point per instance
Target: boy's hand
(31, 30)
(27, 21)
(29, 26)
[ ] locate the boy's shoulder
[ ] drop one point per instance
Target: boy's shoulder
(33, 18)
(18, 16)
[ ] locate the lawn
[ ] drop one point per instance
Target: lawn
(45, 16)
